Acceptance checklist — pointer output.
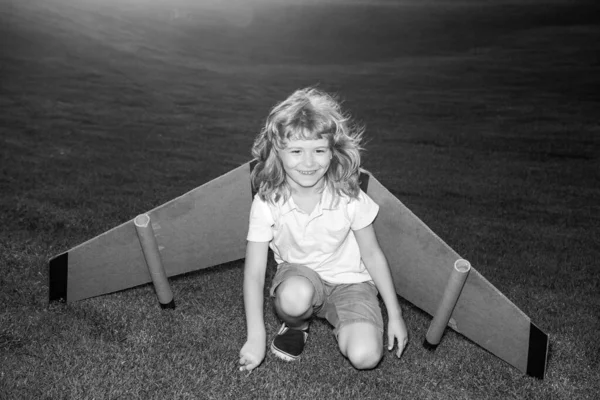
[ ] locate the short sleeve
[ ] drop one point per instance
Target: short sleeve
(261, 222)
(362, 211)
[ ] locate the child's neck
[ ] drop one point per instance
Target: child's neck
(307, 198)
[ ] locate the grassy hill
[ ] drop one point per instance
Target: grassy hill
(481, 117)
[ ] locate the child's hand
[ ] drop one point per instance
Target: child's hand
(252, 354)
(397, 331)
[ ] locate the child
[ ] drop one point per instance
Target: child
(310, 210)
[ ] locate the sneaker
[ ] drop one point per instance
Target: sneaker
(289, 343)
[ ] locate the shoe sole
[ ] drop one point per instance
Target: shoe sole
(282, 355)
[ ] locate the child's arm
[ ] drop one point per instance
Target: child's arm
(253, 351)
(378, 268)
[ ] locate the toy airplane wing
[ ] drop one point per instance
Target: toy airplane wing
(208, 225)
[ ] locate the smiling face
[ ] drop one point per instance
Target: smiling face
(305, 163)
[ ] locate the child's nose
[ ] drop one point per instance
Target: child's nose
(309, 159)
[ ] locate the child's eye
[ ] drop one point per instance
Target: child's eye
(295, 151)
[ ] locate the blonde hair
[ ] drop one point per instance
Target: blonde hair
(307, 114)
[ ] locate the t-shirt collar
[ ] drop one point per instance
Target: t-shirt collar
(326, 202)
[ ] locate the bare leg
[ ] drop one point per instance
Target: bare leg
(362, 343)
(293, 301)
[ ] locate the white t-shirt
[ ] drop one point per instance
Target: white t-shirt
(323, 240)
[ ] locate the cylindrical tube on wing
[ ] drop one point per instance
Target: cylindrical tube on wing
(152, 255)
(456, 281)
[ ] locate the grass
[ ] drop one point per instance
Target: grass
(481, 117)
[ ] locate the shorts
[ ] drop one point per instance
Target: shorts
(339, 304)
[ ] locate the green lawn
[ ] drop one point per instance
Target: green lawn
(481, 117)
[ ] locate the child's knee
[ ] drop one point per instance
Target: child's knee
(362, 344)
(294, 296)
(365, 355)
